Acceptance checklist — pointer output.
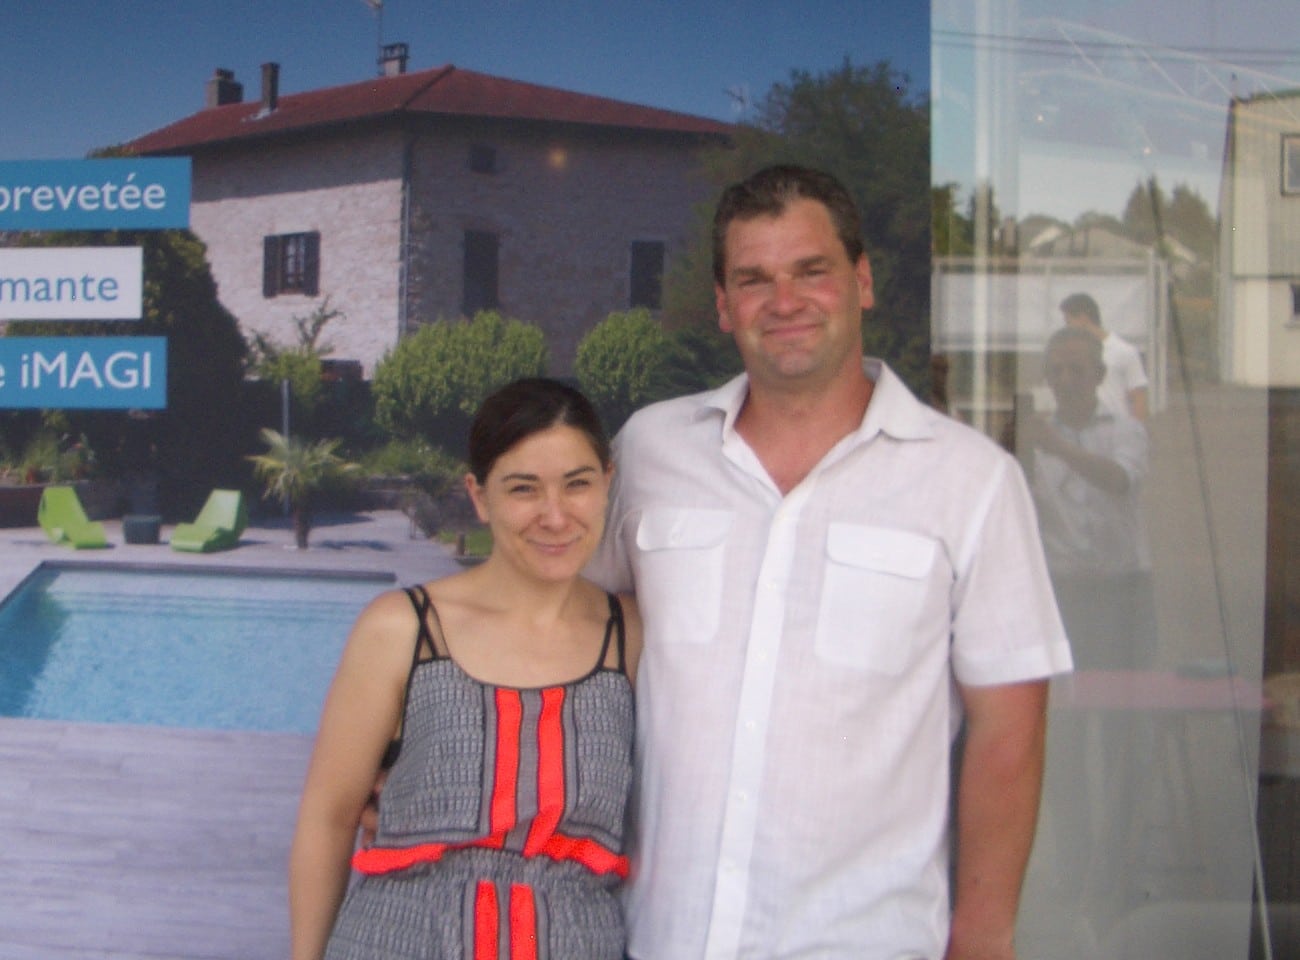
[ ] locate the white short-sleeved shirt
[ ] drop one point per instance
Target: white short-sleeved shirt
(1124, 373)
(796, 700)
(1085, 529)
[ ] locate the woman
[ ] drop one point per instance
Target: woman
(505, 693)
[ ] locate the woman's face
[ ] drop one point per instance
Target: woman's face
(544, 501)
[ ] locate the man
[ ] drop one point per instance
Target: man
(1124, 389)
(832, 576)
(1086, 473)
(1088, 466)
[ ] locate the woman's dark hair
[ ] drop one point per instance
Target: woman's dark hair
(520, 409)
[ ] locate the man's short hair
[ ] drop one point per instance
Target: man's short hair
(768, 192)
(1081, 303)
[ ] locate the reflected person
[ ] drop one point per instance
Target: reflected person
(1124, 388)
(1087, 467)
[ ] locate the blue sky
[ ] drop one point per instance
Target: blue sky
(81, 74)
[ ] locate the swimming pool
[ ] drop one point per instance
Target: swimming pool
(203, 649)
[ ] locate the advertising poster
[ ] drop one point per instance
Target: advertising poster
(262, 232)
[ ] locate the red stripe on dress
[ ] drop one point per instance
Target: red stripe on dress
(487, 917)
(503, 812)
(596, 858)
(589, 853)
(523, 923)
(550, 771)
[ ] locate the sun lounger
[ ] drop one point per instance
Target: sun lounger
(217, 527)
(64, 520)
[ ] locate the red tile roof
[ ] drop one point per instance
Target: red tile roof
(442, 91)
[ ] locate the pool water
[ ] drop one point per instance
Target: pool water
(201, 650)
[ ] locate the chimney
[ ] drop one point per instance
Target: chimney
(270, 86)
(392, 59)
(222, 88)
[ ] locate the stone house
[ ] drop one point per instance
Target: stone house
(414, 198)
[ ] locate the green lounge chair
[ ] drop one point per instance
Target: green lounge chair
(64, 520)
(217, 527)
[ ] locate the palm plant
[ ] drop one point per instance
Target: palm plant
(295, 471)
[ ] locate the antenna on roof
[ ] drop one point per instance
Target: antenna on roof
(378, 7)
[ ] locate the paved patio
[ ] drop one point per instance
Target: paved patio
(140, 843)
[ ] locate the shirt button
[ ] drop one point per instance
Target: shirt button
(749, 725)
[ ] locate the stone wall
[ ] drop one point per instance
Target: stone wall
(348, 188)
(566, 207)
(566, 203)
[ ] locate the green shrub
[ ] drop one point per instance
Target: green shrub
(628, 360)
(432, 470)
(429, 386)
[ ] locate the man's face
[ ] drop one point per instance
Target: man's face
(1080, 320)
(1074, 374)
(791, 297)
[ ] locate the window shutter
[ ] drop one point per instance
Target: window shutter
(270, 266)
(646, 281)
(311, 268)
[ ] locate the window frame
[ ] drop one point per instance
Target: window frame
(1290, 164)
(291, 264)
(481, 251)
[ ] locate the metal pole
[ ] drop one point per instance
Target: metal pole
(284, 420)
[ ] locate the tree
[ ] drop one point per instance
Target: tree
(197, 442)
(300, 364)
(432, 382)
(1150, 217)
(953, 233)
(864, 125)
(295, 471)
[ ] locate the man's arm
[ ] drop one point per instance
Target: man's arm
(1101, 471)
(997, 812)
(1137, 403)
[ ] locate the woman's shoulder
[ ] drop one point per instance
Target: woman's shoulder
(390, 610)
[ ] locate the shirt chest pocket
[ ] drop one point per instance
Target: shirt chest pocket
(873, 596)
(679, 565)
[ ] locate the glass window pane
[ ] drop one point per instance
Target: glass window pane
(1139, 162)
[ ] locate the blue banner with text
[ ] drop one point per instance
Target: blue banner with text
(83, 373)
(109, 194)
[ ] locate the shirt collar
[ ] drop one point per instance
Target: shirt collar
(893, 409)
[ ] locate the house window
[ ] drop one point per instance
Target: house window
(482, 158)
(1291, 164)
(291, 264)
(647, 276)
(1295, 301)
(482, 251)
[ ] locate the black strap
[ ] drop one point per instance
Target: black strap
(423, 606)
(614, 628)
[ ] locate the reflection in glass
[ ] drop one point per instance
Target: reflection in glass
(1146, 157)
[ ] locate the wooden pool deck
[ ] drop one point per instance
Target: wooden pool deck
(141, 843)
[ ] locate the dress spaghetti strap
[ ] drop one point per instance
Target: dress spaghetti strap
(424, 641)
(614, 629)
